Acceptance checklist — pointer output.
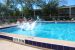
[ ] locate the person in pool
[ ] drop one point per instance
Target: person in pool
(30, 20)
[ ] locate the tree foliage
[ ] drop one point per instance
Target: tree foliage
(10, 8)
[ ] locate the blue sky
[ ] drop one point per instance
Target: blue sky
(71, 2)
(68, 2)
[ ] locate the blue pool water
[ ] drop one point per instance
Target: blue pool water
(60, 31)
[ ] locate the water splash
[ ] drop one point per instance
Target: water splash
(38, 19)
(27, 25)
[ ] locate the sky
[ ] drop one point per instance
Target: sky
(71, 2)
(67, 2)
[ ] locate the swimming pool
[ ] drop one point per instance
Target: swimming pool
(50, 30)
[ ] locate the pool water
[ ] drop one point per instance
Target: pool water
(59, 30)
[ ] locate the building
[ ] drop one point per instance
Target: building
(68, 11)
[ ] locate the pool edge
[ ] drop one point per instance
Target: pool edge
(41, 42)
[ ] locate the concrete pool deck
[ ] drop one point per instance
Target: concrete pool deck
(12, 45)
(6, 45)
(42, 40)
(13, 24)
(7, 25)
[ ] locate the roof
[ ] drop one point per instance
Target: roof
(72, 6)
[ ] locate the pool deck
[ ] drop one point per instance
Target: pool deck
(7, 25)
(8, 45)
(13, 24)
(45, 40)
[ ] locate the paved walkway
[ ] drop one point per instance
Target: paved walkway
(7, 45)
